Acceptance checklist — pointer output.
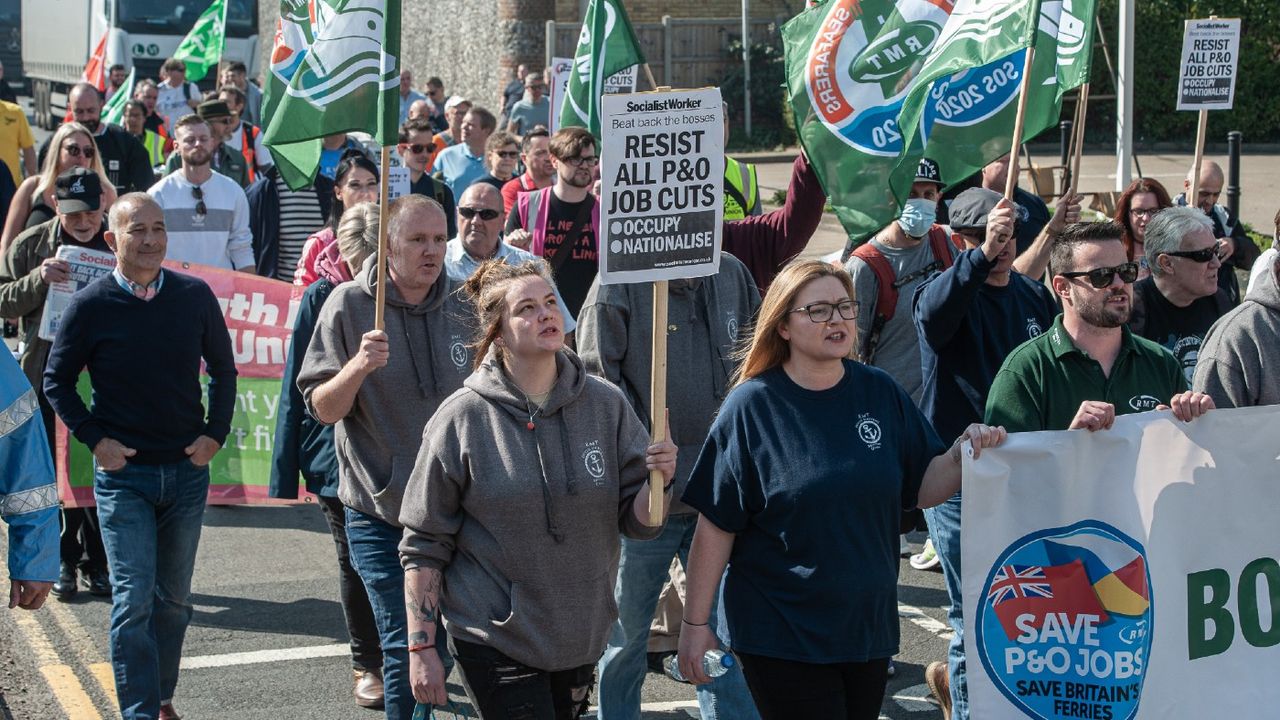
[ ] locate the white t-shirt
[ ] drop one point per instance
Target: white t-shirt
(262, 156)
(221, 237)
(172, 102)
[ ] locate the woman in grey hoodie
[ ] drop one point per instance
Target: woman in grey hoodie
(512, 513)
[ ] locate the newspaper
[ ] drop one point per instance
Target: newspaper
(86, 266)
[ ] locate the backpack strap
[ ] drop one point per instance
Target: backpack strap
(886, 296)
(940, 240)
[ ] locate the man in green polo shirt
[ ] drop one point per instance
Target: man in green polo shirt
(1088, 367)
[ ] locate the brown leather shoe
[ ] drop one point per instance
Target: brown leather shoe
(939, 679)
(368, 689)
(168, 713)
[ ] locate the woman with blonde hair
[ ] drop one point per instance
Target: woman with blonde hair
(800, 486)
(511, 516)
(72, 146)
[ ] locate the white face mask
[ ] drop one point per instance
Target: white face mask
(918, 216)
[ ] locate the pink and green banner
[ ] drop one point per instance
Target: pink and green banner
(259, 313)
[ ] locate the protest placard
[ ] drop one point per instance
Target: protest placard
(1210, 59)
(1107, 573)
(85, 267)
(622, 82)
(259, 313)
(397, 178)
(661, 193)
(561, 68)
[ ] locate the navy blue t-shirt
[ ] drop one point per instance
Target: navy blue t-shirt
(812, 484)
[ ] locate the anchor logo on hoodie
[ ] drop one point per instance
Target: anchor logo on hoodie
(593, 461)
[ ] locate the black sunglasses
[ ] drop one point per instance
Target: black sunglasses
(1100, 278)
(485, 214)
(76, 151)
(507, 154)
(198, 194)
(417, 149)
(1219, 250)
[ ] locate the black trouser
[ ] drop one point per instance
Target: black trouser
(502, 689)
(81, 536)
(784, 689)
(366, 649)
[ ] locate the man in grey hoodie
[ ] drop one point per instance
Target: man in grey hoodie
(614, 339)
(379, 387)
(1241, 346)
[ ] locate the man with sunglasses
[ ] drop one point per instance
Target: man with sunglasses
(969, 317)
(534, 109)
(206, 214)
(418, 148)
(1240, 250)
(1177, 304)
(1089, 368)
(123, 156)
(480, 220)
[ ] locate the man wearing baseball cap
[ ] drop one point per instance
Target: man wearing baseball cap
(455, 108)
(969, 317)
(225, 161)
(29, 266)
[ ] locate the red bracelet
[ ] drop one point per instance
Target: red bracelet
(421, 646)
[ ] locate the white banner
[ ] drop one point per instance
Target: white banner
(1125, 574)
(661, 187)
(1210, 59)
(86, 266)
(557, 86)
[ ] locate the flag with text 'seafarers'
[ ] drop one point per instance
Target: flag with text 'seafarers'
(607, 45)
(335, 68)
(202, 48)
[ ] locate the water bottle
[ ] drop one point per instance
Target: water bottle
(714, 664)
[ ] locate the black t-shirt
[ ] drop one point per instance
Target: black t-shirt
(1179, 330)
(428, 186)
(575, 273)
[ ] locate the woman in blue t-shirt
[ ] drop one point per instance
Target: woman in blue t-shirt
(800, 485)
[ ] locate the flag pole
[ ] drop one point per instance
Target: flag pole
(1202, 128)
(657, 376)
(380, 297)
(1011, 181)
(648, 73)
(1082, 107)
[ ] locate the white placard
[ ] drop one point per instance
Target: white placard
(86, 266)
(561, 69)
(622, 82)
(1210, 61)
(662, 199)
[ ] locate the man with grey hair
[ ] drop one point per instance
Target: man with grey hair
(1178, 303)
(379, 387)
(1240, 250)
(142, 333)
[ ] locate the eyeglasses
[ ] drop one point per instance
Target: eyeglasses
(198, 194)
(485, 214)
(821, 312)
(1219, 250)
(88, 151)
(1100, 278)
(507, 154)
(1147, 213)
(579, 161)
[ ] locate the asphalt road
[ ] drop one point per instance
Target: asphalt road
(268, 641)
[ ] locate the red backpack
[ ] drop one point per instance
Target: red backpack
(887, 283)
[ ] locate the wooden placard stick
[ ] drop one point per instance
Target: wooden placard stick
(1011, 181)
(380, 295)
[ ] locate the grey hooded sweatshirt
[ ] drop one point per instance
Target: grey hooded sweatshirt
(524, 523)
(1239, 356)
(429, 359)
(705, 319)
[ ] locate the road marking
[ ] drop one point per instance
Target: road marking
(70, 694)
(87, 653)
(658, 707)
(916, 699)
(106, 678)
(265, 656)
(918, 618)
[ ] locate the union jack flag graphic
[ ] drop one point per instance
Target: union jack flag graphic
(1019, 581)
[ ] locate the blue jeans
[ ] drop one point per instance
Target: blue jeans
(150, 517)
(944, 528)
(375, 555)
(642, 571)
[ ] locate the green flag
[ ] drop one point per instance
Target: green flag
(113, 111)
(849, 64)
(606, 46)
(202, 48)
(334, 71)
(967, 118)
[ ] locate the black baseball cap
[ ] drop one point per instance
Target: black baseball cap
(927, 171)
(969, 209)
(78, 190)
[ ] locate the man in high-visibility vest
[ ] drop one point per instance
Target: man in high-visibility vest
(244, 137)
(135, 121)
(741, 189)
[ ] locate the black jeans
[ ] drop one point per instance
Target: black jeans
(366, 649)
(785, 689)
(502, 689)
(81, 537)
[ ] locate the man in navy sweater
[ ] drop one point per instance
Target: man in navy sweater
(141, 333)
(970, 316)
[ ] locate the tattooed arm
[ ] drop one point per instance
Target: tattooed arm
(422, 603)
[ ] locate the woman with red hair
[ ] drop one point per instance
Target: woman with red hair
(1137, 205)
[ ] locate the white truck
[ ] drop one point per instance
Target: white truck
(59, 35)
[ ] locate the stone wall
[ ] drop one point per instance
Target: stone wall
(643, 11)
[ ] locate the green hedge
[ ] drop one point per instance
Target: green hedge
(1158, 50)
